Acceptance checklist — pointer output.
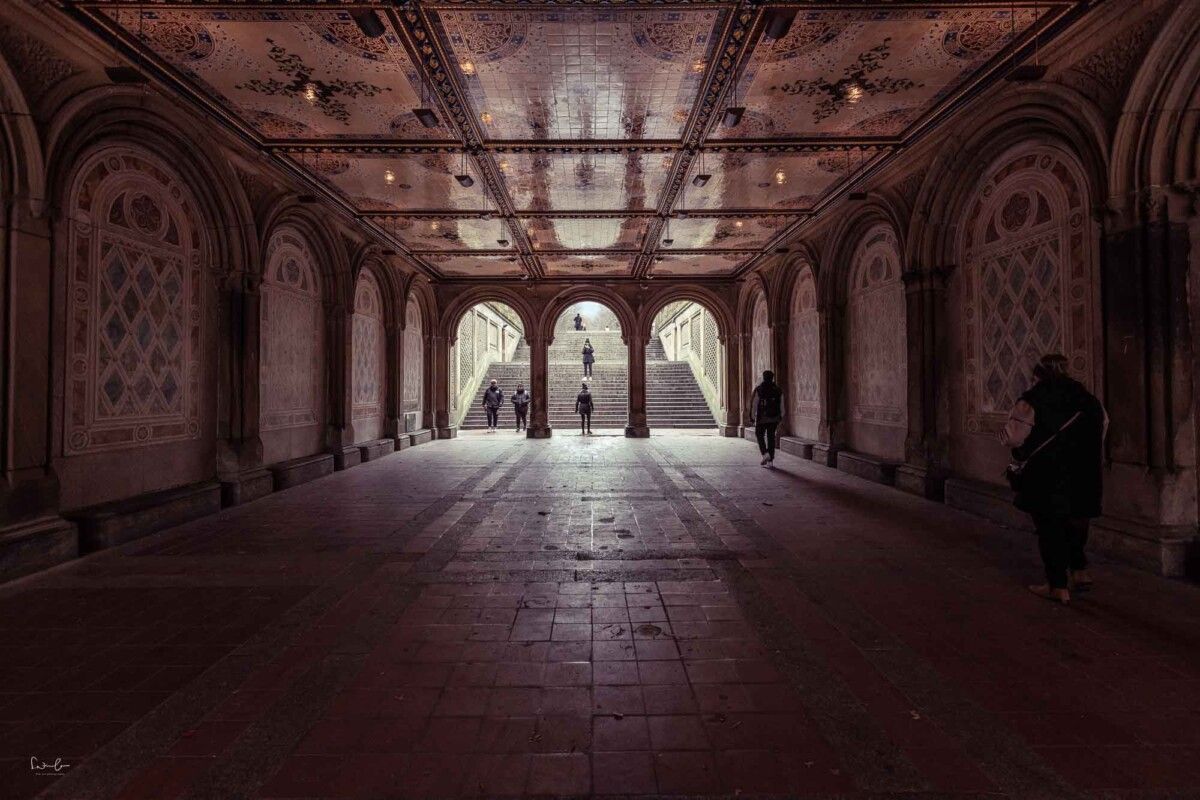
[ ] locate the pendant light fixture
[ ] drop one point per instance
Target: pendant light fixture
(858, 195)
(701, 178)
(368, 22)
(464, 180)
(425, 114)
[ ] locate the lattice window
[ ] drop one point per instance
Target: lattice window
(1028, 280)
(712, 347)
(136, 290)
(685, 339)
(292, 369)
(466, 350)
(760, 340)
(878, 368)
(414, 356)
(805, 348)
(368, 347)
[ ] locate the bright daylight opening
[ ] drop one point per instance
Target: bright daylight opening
(490, 346)
(588, 372)
(684, 361)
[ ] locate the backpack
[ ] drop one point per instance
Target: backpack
(770, 404)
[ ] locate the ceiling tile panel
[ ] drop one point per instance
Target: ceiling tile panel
(765, 180)
(291, 74)
(448, 233)
(723, 233)
(584, 181)
(582, 73)
(549, 233)
(419, 182)
(468, 266)
(587, 265)
(866, 72)
(714, 264)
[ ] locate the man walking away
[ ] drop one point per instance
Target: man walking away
(578, 322)
(520, 402)
(589, 358)
(583, 407)
(766, 410)
(493, 398)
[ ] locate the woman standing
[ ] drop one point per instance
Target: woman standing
(589, 358)
(1056, 432)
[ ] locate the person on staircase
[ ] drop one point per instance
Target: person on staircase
(1056, 431)
(766, 412)
(584, 403)
(493, 398)
(521, 401)
(578, 322)
(589, 357)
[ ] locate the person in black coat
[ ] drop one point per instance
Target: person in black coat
(589, 358)
(766, 412)
(578, 322)
(1056, 432)
(584, 403)
(521, 401)
(493, 398)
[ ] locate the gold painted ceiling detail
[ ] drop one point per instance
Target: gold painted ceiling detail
(572, 139)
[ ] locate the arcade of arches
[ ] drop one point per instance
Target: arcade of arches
(257, 260)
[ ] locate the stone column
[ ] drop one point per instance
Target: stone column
(831, 383)
(781, 366)
(638, 428)
(393, 414)
(1149, 371)
(439, 349)
(731, 386)
(339, 350)
(539, 388)
(745, 382)
(926, 335)
(32, 534)
(240, 447)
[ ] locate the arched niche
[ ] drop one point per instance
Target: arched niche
(1026, 285)
(804, 353)
(876, 368)
(138, 348)
(369, 373)
(292, 366)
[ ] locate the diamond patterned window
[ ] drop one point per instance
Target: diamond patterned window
(134, 347)
(1027, 280)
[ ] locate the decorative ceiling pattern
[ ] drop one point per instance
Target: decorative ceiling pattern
(568, 139)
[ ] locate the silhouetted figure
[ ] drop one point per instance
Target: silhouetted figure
(584, 404)
(589, 357)
(521, 401)
(493, 398)
(766, 412)
(1056, 432)
(578, 322)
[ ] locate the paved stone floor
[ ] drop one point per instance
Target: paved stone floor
(496, 616)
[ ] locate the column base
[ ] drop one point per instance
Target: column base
(728, 431)
(534, 432)
(637, 432)
(448, 432)
(920, 481)
(36, 544)
(346, 456)
(245, 486)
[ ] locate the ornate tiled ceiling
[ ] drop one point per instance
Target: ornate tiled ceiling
(580, 128)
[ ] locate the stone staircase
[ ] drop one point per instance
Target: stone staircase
(673, 398)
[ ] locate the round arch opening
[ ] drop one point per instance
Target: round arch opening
(489, 345)
(588, 363)
(685, 366)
